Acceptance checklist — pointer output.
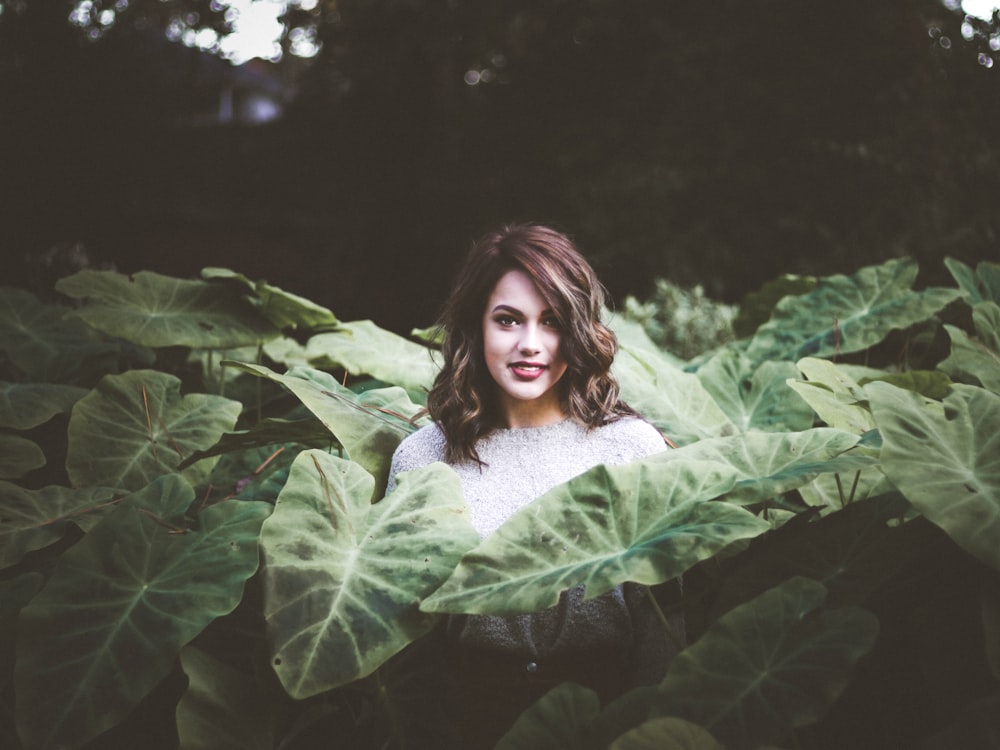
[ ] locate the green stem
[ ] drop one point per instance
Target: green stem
(840, 490)
(667, 627)
(854, 487)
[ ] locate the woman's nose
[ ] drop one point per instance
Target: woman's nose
(529, 340)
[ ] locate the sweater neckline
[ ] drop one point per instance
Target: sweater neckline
(540, 430)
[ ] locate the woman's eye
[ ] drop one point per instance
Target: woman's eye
(551, 323)
(505, 320)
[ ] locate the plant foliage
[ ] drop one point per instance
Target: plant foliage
(213, 550)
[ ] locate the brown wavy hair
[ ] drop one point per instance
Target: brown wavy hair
(462, 400)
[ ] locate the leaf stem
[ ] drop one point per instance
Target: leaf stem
(667, 627)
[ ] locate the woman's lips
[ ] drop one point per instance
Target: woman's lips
(527, 370)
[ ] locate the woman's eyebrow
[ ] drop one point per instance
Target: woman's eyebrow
(507, 308)
(514, 311)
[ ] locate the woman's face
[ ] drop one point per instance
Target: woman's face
(521, 341)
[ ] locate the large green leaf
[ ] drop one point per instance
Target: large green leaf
(771, 463)
(18, 456)
(847, 314)
(343, 577)
(121, 603)
(831, 491)
(755, 399)
(154, 310)
(767, 666)
(977, 358)
(834, 395)
(222, 708)
(362, 348)
(647, 521)
(558, 721)
(42, 341)
(27, 405)
(673, 400)
(945, 457)
(283, 309)
(136, 426)
(32, 519)
(369, 425)
(667, 733)
(982, 285)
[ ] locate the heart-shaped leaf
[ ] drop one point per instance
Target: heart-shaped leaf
(647, 521)
(222, 708)
(27, 405)
(673, 400)
(557, 721)
(32, 519)
(18, 456)
(154, 310)
(945, 457)
(977, 359)
(42, 341)
(121, 603)
(136, 426)
(755, 399)
(847, 314)
(769, 464)
(767, 666)
(667, 733)
(343, 577)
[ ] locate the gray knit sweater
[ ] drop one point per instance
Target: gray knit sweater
(522, 464)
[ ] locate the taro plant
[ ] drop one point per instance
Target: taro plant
(198, 551)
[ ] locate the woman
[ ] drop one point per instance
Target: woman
(526, 401)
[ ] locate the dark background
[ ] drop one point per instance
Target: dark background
(719, 143)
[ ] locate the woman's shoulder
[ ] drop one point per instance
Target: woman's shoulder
(633, 437)
(425, 446)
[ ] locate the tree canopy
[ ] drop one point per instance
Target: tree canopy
(721, 144)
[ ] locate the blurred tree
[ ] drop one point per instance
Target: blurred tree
(720, 144)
